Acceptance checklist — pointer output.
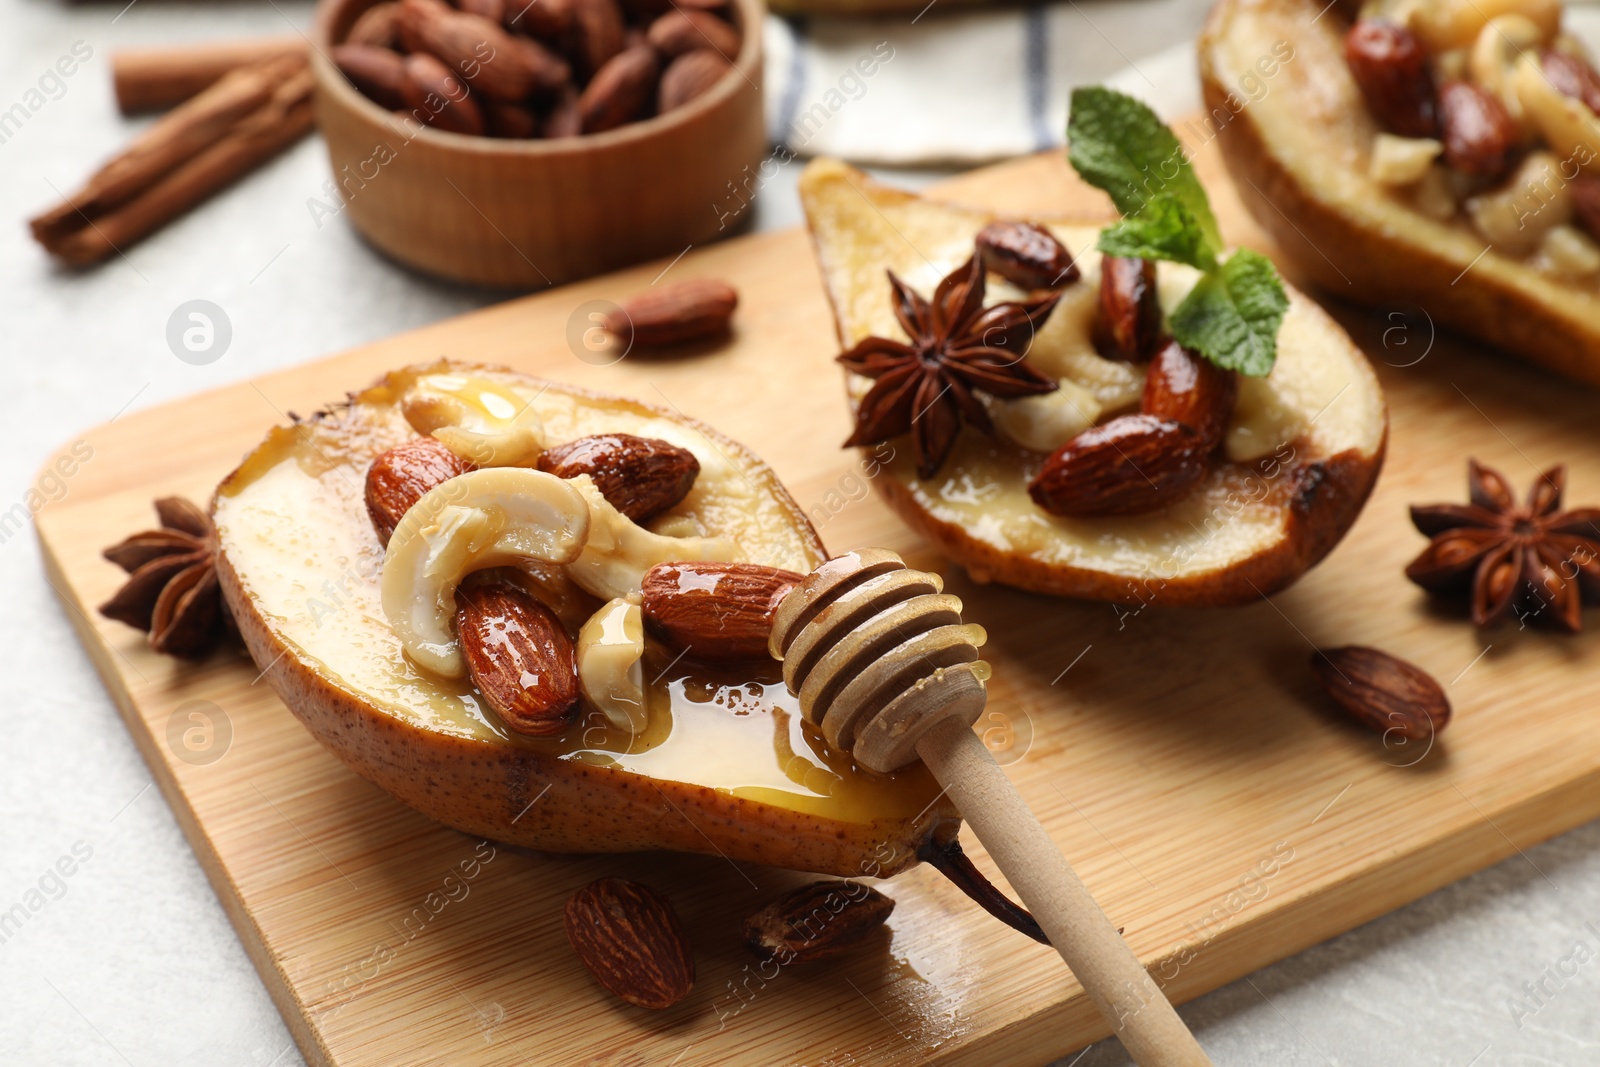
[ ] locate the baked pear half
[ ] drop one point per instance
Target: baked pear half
(351, 633)
(1291, 467)
(1463, 193)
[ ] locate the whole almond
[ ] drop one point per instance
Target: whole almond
(376, 26)
(629, 938)
(1128, 319)
(816, 921)
(551, 73)
(400, 477)
(518, 655)
(621, 91)
(680, 31)
(696, 309)
(1572, 76)
(548, 20)
(1130, 465)
(1478, 132)
(596, 35)
(1190, 389)
(564, 120)
(639, 476)
(1026, 255)
(1390, 66)
(411, 18)
(1383, 692)
(493, 62)
(493, 10)
(510, 120)
(690, 75)
(379, 73)
(436, 97)
(715, 611)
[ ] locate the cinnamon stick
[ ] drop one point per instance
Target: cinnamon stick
(177, 136)
(281, 118)
(154, 79)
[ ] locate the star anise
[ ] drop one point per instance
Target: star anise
(1514, 559)
(957, 346)
(172, 589)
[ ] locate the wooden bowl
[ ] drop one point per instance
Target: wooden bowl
(530, 213)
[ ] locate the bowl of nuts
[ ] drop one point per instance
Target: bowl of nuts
(525, 143)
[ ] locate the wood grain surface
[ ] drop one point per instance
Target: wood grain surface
(1214, 803)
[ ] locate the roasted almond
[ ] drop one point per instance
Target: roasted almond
(693, 310)
(597, 34)
(436, 97)
(493, 62)
(1390, 67)
(816, 921)
(1026, 255)
(1190, 389)
(493, 10)
(1383, 692)
(639, 476)
(549, 20)
(1127, 323)
(379, 73)
(376, 26)
(510, 120)
(688, 76)
(1130, 465)
(1572, 76)
(681, 31)
(564, 119)
(400, 477)
(1478, 132)
(621, 91)
(715, 611)
(629, 938)
(518, 655)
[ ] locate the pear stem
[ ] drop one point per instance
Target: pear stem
(950, 860)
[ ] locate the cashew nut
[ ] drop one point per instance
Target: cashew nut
(1570, 129)
(1516, 216)
(1568, 252)
(485, 518)
(1493, 59)
(1045, 422)
(1447, 24)
(476, 419)
(1402, 161)
(610, 647)
(619, 551)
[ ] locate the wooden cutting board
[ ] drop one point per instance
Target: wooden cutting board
(1183, 760)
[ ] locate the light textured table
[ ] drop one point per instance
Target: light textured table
(129, 960)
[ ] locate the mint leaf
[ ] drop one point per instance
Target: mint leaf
(1232, 315)
(1118, 144)
(1164, 230)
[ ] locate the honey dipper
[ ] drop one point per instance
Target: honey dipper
(883, 665)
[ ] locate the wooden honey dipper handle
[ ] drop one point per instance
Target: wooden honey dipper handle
(1100, 959)
(882, 663)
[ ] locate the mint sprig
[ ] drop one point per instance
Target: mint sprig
(1233, 313)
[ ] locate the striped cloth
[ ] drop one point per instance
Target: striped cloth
(969, 86)
(973, 86)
